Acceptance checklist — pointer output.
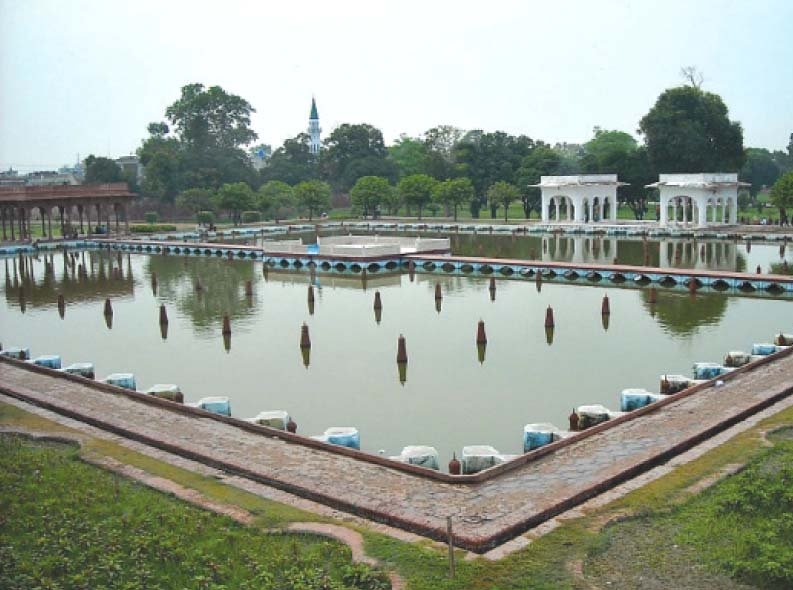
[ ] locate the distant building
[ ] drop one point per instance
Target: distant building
(131, 167)
(313, 128)
(11, 177)
(77, 169)
(51, 178)
(259, 156)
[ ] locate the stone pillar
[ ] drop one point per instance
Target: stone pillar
(3, 217)
(702, 211)
(733, 210)
(126, 220)
(545, 206)
(556, 202)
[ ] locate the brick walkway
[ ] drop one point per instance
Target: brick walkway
(484, 514)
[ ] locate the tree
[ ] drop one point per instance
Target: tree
(782, 194)
(101, 170)
(211, 118)
(313, 195)
(368, 193)
(409, 154)
(391, 201)
(203, 145)
(274, 196)
(440, 144)
(502, 194)
(692, 75)
(293, 162)
(608, 149)
(416, 190)
(235, 198)
(352, 151)
(454, 192)
(487, 158)
(196, 199)
(543, 161)
(688, 130)
(760, 170)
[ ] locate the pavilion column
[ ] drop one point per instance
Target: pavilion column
(11, 223)
(63, 227)
(556, 203)
(49, 222)
(734, 211)
(21, 222)
(702, 207)
(126, 220)
(80, 213)
(115, 210)
(3, 217)
(43, 228)
(544, 204)
(724, 211)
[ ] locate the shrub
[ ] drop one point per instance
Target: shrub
(151, 217)
(251, 217)
(148, 228)
(205, 217)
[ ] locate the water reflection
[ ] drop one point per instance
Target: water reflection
(55, 279)
(683, 314)
(204, 289)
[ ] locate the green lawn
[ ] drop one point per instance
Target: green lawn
(66, 524)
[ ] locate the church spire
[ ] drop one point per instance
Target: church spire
(313, 128)
(314, 114)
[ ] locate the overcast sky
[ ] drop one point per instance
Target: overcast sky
(88, 76)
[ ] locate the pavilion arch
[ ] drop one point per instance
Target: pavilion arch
(585, 196)
(705, 198)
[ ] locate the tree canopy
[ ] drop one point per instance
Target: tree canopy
(235, 198)
(760, 169)
(368, 193)
(416, 190)
(782, 191)
(453, 193)
(273, 197)
(312, 195)
(98, 169)
(352, 151)
(203, 146)
(688, 130)
(502, 194)
(293, 162)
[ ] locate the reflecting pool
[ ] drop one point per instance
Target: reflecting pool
(452, 395)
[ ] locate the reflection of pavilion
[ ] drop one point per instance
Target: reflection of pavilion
(583, 198)
(584, 249)
(703, 199)
(689, 254)
(40, 281)
(334, 279)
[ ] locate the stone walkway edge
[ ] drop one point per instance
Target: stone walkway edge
(473, 543)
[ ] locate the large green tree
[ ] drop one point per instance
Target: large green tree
(487, 158)
(440, 143)
(352, 151)
(760, 169)
(312, 195)
(410, 156)
(368, 193)
(101, 170)
(274, 197)
(782, 194)
(453, 193)
(416, 190)
(502, 194)
(203, 146)
(293, 162)
(235, 198)
(689, 130)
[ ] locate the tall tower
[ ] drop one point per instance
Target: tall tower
(313, 128)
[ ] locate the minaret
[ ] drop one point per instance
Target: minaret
(313, 128)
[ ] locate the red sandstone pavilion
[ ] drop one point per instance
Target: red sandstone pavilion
(72, 203)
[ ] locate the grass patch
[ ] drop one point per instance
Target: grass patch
(66, 524)
(267, 513)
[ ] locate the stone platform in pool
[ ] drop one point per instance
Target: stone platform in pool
(488, 508)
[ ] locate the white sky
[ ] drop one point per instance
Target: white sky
(80, 76)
